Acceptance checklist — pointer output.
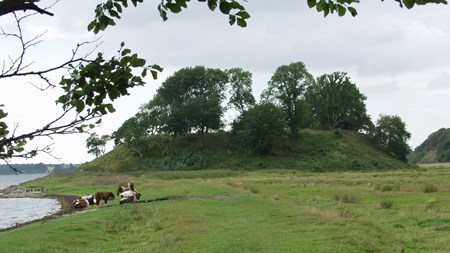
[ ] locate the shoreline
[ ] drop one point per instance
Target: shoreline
(15, 191)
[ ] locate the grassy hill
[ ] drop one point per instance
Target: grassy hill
(435, 149)
(313, 150)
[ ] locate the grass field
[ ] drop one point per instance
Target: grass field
(235, 211)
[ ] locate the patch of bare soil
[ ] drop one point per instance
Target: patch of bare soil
(15, 191)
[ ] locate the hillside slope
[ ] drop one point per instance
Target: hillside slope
(313, 150)
(435, 149)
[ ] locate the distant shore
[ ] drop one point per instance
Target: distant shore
(15, 191)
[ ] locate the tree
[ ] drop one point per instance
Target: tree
(96, 145)
(391, 135)
(241, 97)
(240, 83)
(267, 125)
(287, 88)
(190, 100)
(336, 102)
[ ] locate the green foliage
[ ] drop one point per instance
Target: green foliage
(96, 144)
(435, 149)
(190, 100)
(107, 12)
(90, 85)
(240, 82)
(341, 7)
(391, 135)
(287, 88)
(313, 150)
(336, 102)
(266, 126)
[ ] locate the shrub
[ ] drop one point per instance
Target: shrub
(429, 188)
(267, 125)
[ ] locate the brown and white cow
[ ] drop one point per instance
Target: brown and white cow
(129, 197)
(125, 187)
(80, 203)
(103, 196)
(84, 201)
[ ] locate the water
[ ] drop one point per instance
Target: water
(20, 210)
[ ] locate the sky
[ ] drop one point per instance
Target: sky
(398, 58)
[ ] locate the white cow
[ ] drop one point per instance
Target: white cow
(129, 197)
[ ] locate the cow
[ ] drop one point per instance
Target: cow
(90, 198)
(80, 203)
(103, 196)
(125, 187)
(84, 201)
(129, 197)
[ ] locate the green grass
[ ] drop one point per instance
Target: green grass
(312, 150)
(260, 211)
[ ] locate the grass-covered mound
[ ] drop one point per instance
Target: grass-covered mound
(312, 150)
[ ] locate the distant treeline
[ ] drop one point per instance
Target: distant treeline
(36, 168)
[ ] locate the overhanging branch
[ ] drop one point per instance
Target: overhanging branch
(10, 6)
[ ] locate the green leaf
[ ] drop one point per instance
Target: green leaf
(243, 14)
(409, 3)
(320, 6)
(110, 108)
(341, 10)
(79, 105)
(125, 51)
(225, 7)
(157, 67)
(352, 11)
(91, 26)
(311, 3)
(212, 4)
(241, 22)
(154, 74)
(232, 19)
(139, 62)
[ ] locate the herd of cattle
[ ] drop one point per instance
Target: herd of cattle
(126, 192)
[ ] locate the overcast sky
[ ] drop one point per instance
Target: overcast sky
(399, 58)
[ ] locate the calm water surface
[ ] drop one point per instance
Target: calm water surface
(20, 210)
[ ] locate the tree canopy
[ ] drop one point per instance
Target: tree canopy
(336, 102)
(287, 88)
(390, 134)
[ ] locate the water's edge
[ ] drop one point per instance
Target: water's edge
(26, 207)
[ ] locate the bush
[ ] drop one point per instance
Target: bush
(429, 188)
(266, 124)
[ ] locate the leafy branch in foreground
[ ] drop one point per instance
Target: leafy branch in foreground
(107, 12)
(88, 88)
